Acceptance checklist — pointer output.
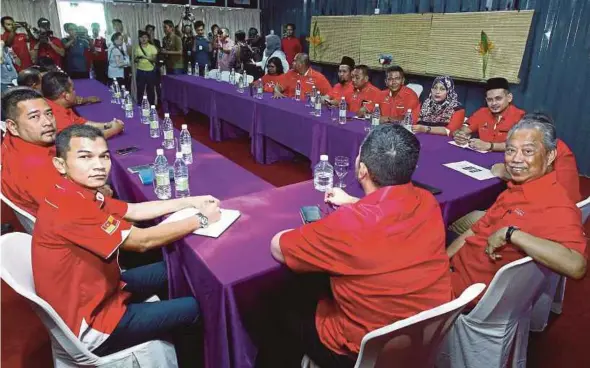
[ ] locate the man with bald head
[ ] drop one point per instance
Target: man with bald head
(30, 77)
(308, 78)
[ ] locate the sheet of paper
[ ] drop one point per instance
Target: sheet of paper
(467, 147)
(228, 217)
(470, 169)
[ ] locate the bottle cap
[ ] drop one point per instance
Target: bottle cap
(324, 158)
(160, 151)
(184, 126)
(376, 105)
(409, 110)
(178, 154)
(153, 106)
(342, 98)
(166, 114)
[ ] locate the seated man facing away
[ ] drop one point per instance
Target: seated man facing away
(533, 217)
(493, 122)
(344, 84)
(363, 96)
(59, 91)
(30, 77)
(75, 251)
(397, 99)
(384, 254)
(308, 77)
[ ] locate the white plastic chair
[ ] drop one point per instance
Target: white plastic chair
(25, 218)
(552, 298)
(3, 127)
(249, 78)
(499, 322)
(411, 342)
(68, 351)
(416, 88)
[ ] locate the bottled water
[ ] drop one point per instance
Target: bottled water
(116, 92)
(145, 110)
(407, 122)
(154, 123)
(241, 86)
(298, 91)
(232, 77)
(206, 72)
(186, 145)
(318, 104)
(218, 75)
(128, 105)
(122, 98)
(189, 68)
(376, 117)
(259, 89)
(162, 176)
(312, 96)
(342, 111)
(181, 177)
(196, 74)
(168, 131)
(244, 79)
(323, 175)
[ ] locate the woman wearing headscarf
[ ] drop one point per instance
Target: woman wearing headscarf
(273, 49)
(441, 113)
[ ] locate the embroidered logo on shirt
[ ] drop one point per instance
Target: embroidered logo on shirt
(110, 225)
(519, 212)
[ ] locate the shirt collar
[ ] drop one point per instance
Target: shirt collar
(535, 189)
(388, 193)
(367, 85)
(69, 185)
(25, 148)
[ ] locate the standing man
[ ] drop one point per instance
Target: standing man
(76, 45)
(17, 41)
(344, 84)
(363, 96)
(172, 49)
(397, 99)
(202, 47)
(290, 44)
(188, 40)
(99, 54)
(47, 45)
(213, 39)
(151, 29)
(225, 50)
(118, 27)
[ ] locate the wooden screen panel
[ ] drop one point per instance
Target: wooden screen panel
(403, 36)
(454, 40)
(341, 37)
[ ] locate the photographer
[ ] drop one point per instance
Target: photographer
(47, 44)
(17, 41)
(226, 53)
(76, 45)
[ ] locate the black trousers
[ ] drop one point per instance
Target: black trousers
(100, 71)
(288, 327)
(79, 75)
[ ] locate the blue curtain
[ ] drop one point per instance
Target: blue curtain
(555, 72)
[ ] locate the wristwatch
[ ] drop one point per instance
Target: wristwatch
(428, 129)
(203, 220)
(491, 147)
(509, 232)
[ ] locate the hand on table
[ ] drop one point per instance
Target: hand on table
(417, 128)
(461, 137)
(496, 241)
(211, 210)
(362, 112)
(338, 197)
(91, 100)
(118, 125)
(200, 201)
(277, 95)
(480, 145)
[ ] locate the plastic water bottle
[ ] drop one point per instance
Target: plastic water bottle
(232, 77)
(189, 68)
(168, 131)
(206, 71)
(162, 176)
(259, 89)
(342, 111)
(323, 175)
(407, 122)
(186, 145)
(128, 106)
(154, 123)
(218, 75)
(244, 79)
(116, 92)
(376, 117)
(298, 91)
(196, 73)
(318, 104)
(122, 99)
(145, 110)
(181, 177)
(241, 86)
(312, 96)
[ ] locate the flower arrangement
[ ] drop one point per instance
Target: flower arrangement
(485, 48)
(385, 59)
(315, 39)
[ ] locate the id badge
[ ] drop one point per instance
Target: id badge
(200, 47)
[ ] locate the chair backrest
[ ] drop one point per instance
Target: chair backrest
(3, 127)
(512, 292)
(17, 272)
(416, 88)
(213, 73)
(414, 341)
(25, 218)
(584, 206)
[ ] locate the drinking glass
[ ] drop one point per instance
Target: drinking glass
(334, 111)
(308, 100)
(341, 164)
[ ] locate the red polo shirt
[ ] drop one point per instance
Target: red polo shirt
(270, 81)
(340, 90)
(75, 267)
(99, 49)
(491, 129)
(27, 172)
(396, 106)
(312, 77)
(20, 48)
(567, 171)
(291, 46)
(355, 97)
(541, 208)
(46, 50)
(386, 255)
(64, 117)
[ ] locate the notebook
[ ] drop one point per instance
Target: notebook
(471, 169)
(228, 217)
(467, 146)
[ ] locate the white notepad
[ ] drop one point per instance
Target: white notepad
(467, 147)
(228, 217)
(470, 169)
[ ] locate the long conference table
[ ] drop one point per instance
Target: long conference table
(229, 275)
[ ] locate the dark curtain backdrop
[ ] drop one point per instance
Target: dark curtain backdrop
(555, 72)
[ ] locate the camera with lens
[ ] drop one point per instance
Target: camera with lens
(44, 35)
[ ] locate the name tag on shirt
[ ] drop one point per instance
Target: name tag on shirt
(200, 47)
(98, 49)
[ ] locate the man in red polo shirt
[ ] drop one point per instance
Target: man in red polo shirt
(493, 122)
(17, 41)
(59, 91)
(308, 78)
(384, 254)
(99, 54)
(76, 240)
(344, 84)
(47, 45)
(363, 96)
(290, 44)
(533, 217)
(397, 99)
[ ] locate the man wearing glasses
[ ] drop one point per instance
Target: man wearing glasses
(397, 98)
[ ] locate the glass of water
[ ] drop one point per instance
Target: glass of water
(308, 100)
(341, 164)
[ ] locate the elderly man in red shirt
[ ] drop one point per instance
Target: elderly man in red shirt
(397, 99)
(493, 122)
(17, 41)
(384, 255)
(344, 84)
(290, 44)
(534, 217)
(302, 72)
(363, 96)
